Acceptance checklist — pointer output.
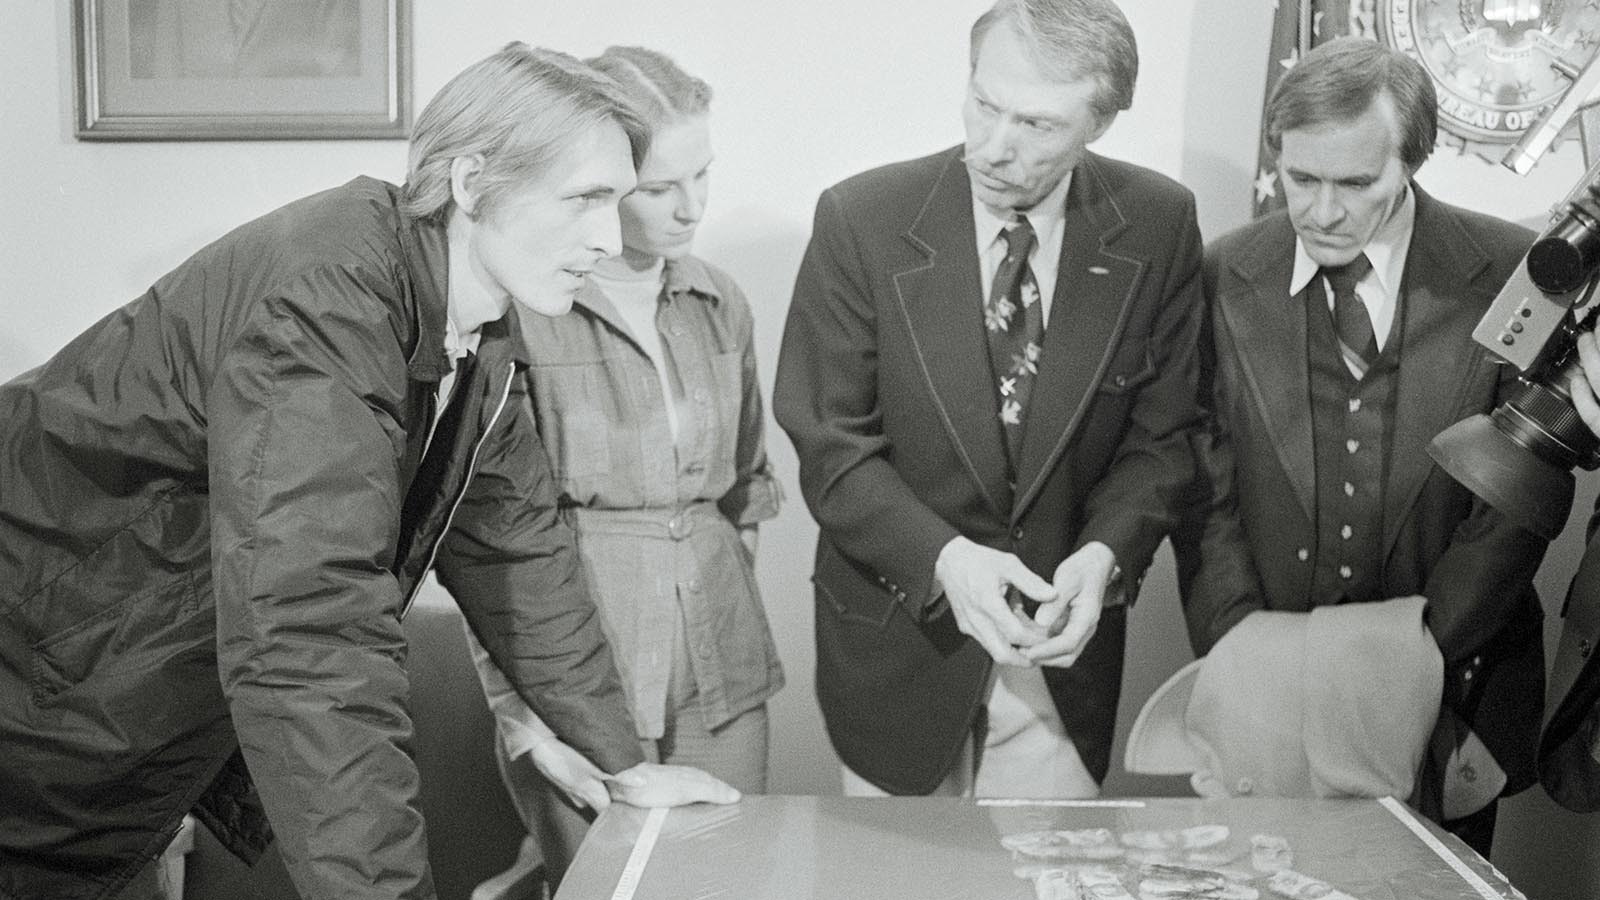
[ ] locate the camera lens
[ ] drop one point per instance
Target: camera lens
(1563, 260)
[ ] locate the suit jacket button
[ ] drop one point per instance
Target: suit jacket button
(1017, 533)
(1245, 786)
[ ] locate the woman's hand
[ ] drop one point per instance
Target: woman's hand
(652, 784)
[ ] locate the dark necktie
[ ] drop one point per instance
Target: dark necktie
(1358, 343)
(1014, 318)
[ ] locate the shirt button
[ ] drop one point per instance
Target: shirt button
(1349, 489)
(1355, 405)
(1345, 532)
(701, 395)
(1302, 554)
(1345, 573)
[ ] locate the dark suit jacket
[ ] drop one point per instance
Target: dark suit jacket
(1567, 764)
(884, 385)
(1473, 565)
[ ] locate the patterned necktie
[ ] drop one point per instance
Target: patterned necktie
(1014, 318)
(1357, 341)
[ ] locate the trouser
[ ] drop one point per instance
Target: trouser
(1025, 751)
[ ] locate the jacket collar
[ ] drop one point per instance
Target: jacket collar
(425, 251)
(939, 294)
(427, 258)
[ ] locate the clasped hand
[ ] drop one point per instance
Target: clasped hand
(976, 581)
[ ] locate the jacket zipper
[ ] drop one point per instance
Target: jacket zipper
(472, 468)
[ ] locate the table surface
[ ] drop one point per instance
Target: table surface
(838, 848)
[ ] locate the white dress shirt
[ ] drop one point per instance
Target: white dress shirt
(1049, 220)
(1379, 289)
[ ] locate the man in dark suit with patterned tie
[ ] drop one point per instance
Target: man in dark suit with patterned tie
(1339, 344)
(988, 372)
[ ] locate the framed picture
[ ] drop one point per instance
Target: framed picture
(186, 70)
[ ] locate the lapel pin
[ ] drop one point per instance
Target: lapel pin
(1099, 270)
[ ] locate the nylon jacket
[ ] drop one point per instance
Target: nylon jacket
(211, 524)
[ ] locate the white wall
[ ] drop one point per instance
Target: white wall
(806, 93)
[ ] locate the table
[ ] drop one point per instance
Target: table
(838, 848)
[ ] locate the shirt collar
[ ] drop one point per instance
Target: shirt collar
(456, 344)
(689, 274)
(1386, 251)
(693, 275)
(1046, 217)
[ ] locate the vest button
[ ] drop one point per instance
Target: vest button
(1302, 554)
(1345, 573)
(1355, 404)
(1349, 489)
(1352, 445)
(1346, 532)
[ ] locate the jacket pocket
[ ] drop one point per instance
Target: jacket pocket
(859, 601)
(128, 635)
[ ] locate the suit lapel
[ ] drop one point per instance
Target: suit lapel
(941, 298)
(1095, 284)
(1268, 331)
(1441, 306)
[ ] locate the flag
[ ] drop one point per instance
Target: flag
(1298, 26)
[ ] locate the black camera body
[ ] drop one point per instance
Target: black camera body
(1519, 457)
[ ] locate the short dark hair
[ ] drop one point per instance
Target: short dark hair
(1339, 80)
(518, 108)
(1073, 39)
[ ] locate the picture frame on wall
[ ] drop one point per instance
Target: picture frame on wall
(192, 70)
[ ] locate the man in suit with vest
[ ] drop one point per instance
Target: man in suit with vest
(1339, 344)
(988, 374)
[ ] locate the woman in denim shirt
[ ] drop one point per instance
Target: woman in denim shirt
(647, 398)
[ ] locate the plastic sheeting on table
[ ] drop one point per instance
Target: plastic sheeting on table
(837, 848)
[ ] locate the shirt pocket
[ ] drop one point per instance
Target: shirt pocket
(720, 404)
(575, 404)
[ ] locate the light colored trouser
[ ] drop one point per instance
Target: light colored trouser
(1026, 751)
(736, 752)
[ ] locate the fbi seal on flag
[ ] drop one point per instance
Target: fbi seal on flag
(1491, 60)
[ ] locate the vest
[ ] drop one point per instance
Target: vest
(1352, 426)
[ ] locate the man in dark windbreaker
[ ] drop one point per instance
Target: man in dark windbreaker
(217, 503)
